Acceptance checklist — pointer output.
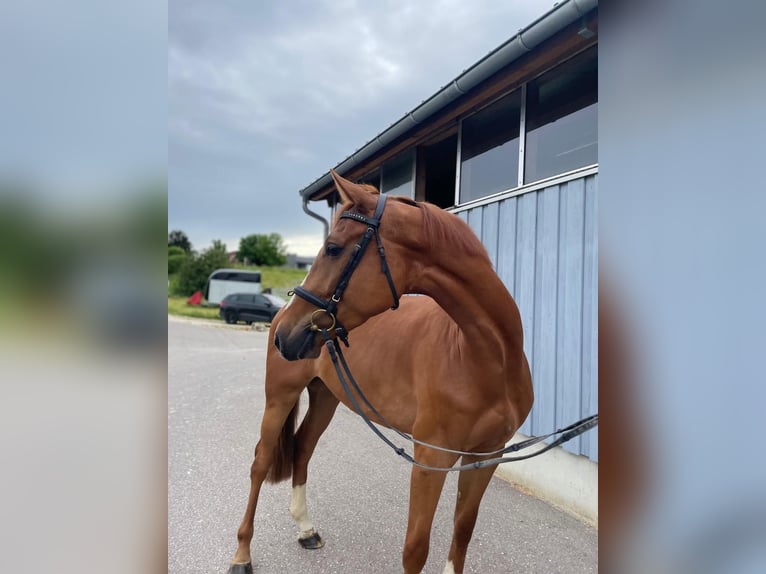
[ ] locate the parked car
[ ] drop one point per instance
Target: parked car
(250, 307)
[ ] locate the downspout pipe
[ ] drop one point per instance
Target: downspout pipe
(310, 213)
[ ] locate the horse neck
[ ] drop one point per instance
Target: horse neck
(470, 292)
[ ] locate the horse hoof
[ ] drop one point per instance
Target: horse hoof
(240, 569)
(313, 542)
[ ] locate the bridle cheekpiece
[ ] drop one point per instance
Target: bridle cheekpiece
(347, 381)
(329, 306)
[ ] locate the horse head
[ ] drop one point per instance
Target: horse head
(365, 263)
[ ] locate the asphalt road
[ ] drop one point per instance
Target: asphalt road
(357, 488)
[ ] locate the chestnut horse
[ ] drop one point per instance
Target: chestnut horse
(448, 368)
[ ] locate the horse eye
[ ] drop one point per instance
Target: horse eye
(333, 250)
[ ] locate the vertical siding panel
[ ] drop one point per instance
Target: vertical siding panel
(589, 276)
(506, 244)
(563, 203)
(489, 231)
(544, 246)
(526, 235)
(570, 301)
(474, 220)
(545, 310)
(592, 333)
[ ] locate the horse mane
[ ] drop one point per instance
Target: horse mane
(441, 227)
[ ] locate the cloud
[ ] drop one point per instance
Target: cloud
(265, 97)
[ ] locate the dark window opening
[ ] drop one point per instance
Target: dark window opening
(246, 277)
(439, 168)
(250, 277)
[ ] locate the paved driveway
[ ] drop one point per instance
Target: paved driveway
(357, 489)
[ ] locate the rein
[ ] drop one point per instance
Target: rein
(329, 308)
(567, 433)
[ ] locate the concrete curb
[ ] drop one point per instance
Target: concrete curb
(567, 481)
(261, 327)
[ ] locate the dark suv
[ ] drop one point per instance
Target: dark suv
(248, 307)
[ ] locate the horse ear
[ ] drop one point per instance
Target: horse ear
(349, 192)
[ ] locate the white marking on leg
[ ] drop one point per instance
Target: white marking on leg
(299, 511)
(449, 568)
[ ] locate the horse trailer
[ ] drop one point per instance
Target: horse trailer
(223, 282)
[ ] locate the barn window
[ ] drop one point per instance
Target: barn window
(372, 178)
(489, 149)
(561, 119)
(398, 175)
(437, 165)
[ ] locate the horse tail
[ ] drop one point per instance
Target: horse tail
(282, 465)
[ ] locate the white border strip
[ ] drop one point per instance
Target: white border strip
(522, 134)
(458, 160)
(543, 183)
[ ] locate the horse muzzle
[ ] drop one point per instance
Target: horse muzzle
(299, 344)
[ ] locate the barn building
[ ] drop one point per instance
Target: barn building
(511, 147)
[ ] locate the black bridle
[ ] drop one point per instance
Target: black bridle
(329, 306)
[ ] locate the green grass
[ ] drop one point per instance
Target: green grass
(279, 279)
(178, 306)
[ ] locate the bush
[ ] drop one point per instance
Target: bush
(176, 257)
(195, 269)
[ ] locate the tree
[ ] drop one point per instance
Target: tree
(262, 249)
(179, 239)
(197, 268)
(176, 257)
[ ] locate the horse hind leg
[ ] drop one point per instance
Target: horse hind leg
(471, 487)
(322, 405)
(425, 490)
(277, 428)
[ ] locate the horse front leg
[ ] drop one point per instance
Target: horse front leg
(425, 489)
(471, 487)
(278, 422)
(322, 405)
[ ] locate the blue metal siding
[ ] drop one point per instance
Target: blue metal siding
(590, 318)
(475, 220)
(544, 246)
(526, 231)
(489, 227)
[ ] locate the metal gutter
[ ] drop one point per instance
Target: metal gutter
(559, 17)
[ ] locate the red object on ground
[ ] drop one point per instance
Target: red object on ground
(195, 299)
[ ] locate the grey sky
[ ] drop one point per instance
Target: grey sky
(84, 97)
(266, 96)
